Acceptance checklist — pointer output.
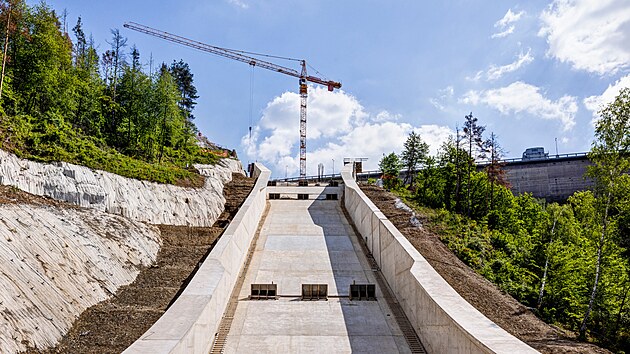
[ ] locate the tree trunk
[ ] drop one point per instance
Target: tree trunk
(544, 278)
(597, 265)
(623, 302)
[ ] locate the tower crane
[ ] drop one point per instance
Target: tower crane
(242, 57)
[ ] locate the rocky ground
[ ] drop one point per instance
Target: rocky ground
(112, 325)
(479, 292)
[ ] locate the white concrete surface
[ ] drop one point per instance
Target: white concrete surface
(137, 200)
(57, 262)
(190, 323)
(314, 192)
(444, 321)
(310, 241)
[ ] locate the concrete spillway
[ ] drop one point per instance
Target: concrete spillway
(310, 242)
(296, 236)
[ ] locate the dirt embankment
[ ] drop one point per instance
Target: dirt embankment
(479, 292)
(113, 325)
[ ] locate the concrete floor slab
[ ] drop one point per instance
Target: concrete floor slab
(311, 242)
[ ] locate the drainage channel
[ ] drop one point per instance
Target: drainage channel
(220, 338)
(415, 345)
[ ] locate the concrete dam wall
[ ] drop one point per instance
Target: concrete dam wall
(554, 179)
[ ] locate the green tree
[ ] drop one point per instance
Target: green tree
(451, 161)
(414, 154)
(610, 154)
(184, 79)
(473, 137)
(173, 131)
(494, 169)
(390, 166)
(11, 14)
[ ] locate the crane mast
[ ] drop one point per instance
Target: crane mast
(240, 56)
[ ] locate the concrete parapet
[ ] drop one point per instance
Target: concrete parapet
(188, 326)
(444, 321)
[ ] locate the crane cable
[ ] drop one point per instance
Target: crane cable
(251, 102)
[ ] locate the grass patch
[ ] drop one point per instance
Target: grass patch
(57, 141)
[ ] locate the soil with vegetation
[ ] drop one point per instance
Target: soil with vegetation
(498, 306)
(113, 325)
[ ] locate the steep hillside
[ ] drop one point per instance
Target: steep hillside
(112, 325)
(499, 307)
(87, 236)
(137, 200)
(58, 260)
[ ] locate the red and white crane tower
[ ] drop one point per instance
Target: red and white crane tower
(242, 57)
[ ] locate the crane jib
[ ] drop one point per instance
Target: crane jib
(240, 56)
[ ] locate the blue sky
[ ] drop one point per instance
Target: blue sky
(530, 71)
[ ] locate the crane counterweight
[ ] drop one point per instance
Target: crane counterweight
(240, 56)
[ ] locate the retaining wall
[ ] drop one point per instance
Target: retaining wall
(189, 325)
(445, 322)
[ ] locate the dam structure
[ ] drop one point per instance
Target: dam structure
(319, 269)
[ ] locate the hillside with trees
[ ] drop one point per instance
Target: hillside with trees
(570, 262)
(62, 100)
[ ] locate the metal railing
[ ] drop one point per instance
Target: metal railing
(364, 175)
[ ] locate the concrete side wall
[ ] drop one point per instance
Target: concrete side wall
(190, 323)
(445, 322)
(137, 200)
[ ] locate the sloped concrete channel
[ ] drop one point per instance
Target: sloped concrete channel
(311, 242)
(298, 243)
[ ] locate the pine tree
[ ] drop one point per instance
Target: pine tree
(184, 79)
(390, 166)
(494, 170)
(414, 154)
(473, 136)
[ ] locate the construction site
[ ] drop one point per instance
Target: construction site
(245, 263)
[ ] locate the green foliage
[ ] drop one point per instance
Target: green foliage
(57, 105)
(570, 262)
(390, 165)
(414, 154)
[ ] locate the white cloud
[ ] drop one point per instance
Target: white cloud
(596, 103)
(505, 33)
(505, 25)
(521, 97)
(592, 35)
(338, 127)
(444, 96)
(239, 3)
(475, 78)
(496, 72)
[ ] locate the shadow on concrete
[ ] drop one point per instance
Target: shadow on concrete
(366, 323)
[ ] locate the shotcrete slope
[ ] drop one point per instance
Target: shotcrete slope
(137, 200)
(57, 261)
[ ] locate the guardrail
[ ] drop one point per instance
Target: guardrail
(188, 326)
(366, 174)
(443, 320)
(550, 157)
